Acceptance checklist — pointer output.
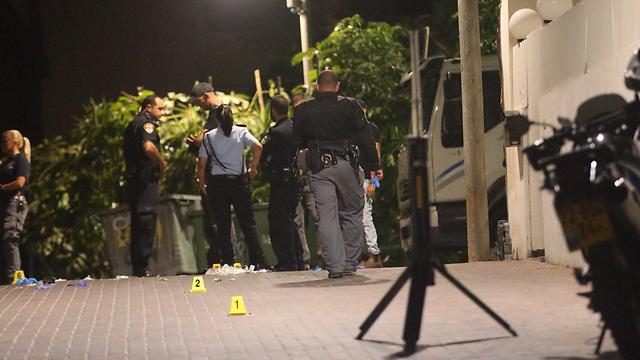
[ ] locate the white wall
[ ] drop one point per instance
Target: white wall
(581, 54)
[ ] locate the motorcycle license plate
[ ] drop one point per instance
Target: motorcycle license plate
(585, 223)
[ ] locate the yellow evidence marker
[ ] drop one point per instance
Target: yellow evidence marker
(237, 306)
(215, 266)
(237, 265)
(197, 286)
(19, 274)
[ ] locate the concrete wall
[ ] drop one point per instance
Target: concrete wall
(581, 54)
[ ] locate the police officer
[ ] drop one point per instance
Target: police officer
(228, 183)
(204, 96)
(277, 160)
(144, 164)
(329, 126)
(14, 174)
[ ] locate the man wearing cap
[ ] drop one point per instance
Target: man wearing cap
(204, 96)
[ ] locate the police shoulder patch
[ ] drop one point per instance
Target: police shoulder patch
(149, 128)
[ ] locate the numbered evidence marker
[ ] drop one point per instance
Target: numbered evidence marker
(237, 265)
(215, 266)
(237, 306)
(197, 286)
(19, 274)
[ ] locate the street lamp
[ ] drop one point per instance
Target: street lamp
(299, 7)
(523, 22)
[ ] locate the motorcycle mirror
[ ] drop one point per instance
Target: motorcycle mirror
(515, 125)
(632, 75)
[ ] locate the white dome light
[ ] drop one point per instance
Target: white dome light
(523, 22)
(552, 9)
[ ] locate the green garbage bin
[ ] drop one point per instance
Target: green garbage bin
(173, 251)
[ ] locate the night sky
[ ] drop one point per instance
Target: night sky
(57, 54)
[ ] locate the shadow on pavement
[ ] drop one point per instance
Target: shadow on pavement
(354, 280)
(402, 354)
(609, 355)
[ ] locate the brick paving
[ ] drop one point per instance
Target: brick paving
(301, 315)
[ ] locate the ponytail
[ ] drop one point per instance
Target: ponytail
(226, 120)
(26, 148)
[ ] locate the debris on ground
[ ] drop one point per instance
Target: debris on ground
(230, 270)
(26, 282)
(88, 278)
(44, 287)
(120, 277)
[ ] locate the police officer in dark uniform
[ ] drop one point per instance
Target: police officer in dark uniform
(144, 165)
(277, 160)
(204, 96)
(330, 127)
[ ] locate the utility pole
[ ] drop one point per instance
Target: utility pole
(473, 131)
(299, 7)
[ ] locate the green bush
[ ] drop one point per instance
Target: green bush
(76, 177)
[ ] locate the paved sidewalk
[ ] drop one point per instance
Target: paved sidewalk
(301, 315)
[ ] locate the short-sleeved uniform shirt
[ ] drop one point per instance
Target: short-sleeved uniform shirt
(141, 129)
(229, 151)
(16, 166)
(279, 148)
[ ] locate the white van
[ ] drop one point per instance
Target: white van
(442, 110)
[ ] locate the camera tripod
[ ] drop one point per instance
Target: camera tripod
(421, 271)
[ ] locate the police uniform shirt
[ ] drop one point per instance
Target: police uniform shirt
(279, 149)
(16, 166)
(334, 121)
(141, 129)
(229, 151)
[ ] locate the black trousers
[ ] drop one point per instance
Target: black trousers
(143, 204)
(283, 200)
(211, 231)
(222, 192)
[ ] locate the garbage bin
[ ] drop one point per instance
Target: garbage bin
(173, 251)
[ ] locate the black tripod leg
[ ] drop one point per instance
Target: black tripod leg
(600, 339)
(413, 320)
(474, 298)
(386, 300)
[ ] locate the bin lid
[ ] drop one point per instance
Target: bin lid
(169, 197)
(120, 208)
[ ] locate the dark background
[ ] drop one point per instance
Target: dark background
(57, 54)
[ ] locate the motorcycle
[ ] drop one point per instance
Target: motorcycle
(596, 187)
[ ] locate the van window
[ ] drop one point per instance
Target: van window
(429, 77)
(452, 113)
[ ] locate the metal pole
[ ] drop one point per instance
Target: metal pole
(473, 131)
(304, 42)
(416, 89)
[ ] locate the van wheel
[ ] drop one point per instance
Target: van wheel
(498, 212)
